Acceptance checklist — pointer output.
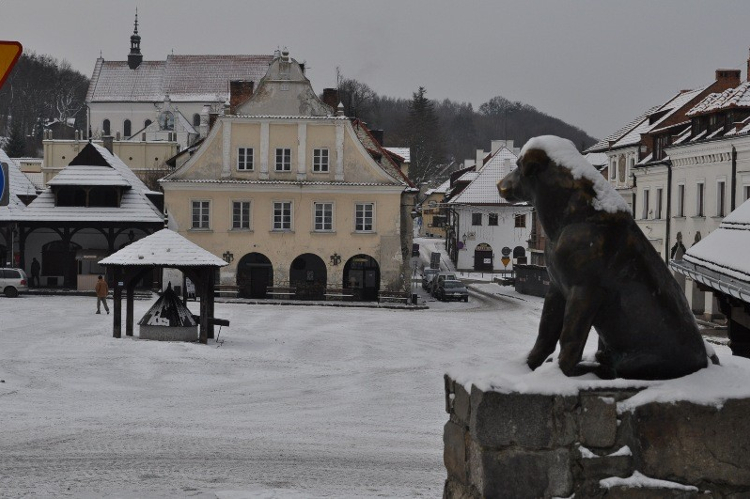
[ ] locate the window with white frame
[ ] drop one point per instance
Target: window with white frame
(720, 197)
(323, 217)
(245, 158)
(320, 160)
(283, 159)
(201, 211)
(700, 199)
(644, 214)
(659, 206)
(492, 219)
(476, 219)
(680, 200)
(364, 214)
(282, 215)
(241, 214)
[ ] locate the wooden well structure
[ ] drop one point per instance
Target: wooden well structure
(163, 249)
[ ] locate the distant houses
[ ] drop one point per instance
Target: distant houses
(683, 166)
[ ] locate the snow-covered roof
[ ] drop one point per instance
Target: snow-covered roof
(441, 189)
(720, 259)
(135, 206)
(88, 175)
(19, 185)
(597, 159)
(732, 97)
(604, 144)
(483, 188)
(564, 153)
(404, 152)
(467, 177)
(164, 248)
(669, 109)
(183, 78)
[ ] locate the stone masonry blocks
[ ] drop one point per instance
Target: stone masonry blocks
(520, 445)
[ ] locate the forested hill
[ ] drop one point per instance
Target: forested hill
(441, 133)
(40, 89)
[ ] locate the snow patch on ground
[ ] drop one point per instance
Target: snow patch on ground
(640, 481)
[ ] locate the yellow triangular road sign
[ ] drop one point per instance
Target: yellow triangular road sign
(9, 54)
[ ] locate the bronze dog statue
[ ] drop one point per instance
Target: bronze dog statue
(603, 273)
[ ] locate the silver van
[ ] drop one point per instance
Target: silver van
(13, 281)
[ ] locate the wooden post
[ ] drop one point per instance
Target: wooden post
(129, 307)
(117, 303)
(210, 300)
(203, 286)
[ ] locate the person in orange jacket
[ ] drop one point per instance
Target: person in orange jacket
(101, 295)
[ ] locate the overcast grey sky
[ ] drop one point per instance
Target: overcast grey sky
(593, 63)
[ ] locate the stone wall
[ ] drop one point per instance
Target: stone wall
(539, 445)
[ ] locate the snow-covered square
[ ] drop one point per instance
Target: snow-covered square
(294, 401)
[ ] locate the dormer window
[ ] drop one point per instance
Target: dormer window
(87, 197)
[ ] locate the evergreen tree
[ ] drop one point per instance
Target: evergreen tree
(16, 145)
(423, 137)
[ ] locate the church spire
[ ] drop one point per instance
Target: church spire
(135, 58)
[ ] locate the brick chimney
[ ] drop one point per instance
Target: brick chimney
(331, 97)
(239, 91)
(727, 78)
(377, 135)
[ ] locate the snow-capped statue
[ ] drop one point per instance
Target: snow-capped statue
(603, 273)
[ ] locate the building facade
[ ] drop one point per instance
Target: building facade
(483, 224)
(291, 193)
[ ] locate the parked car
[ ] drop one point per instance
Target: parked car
(449, 289)
(442, 276)
(427, 275)
(13, 281)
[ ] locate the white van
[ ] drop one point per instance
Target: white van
(12, 282)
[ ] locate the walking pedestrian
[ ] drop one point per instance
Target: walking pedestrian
(101, 295)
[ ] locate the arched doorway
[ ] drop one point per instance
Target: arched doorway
(362, 275)
(309, 276)
(254, 275)
(519, 255)
(59, 262)
(483, 261)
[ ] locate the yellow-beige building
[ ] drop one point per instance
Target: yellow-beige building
(287, 192)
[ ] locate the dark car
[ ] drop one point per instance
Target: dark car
(442, 276)
(451, 290)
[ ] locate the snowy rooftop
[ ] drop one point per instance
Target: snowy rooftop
(164, 248)
(404, 152)
(564, 153)
(89, 175)
(721, 258)
(732, 97)
(483, 188)
(109, 171)
(176, 77)
(603, 144)
(673, 106)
